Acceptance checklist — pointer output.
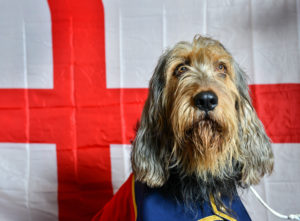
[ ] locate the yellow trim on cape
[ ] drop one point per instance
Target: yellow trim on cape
(211, 218)
(217, 212)
(133, 196)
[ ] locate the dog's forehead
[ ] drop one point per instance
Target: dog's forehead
(201, 52)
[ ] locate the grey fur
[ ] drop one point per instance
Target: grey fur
(256, 152)
(150, 147)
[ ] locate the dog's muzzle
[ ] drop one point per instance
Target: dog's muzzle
(206, 101)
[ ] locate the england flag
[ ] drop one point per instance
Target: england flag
(73, 82)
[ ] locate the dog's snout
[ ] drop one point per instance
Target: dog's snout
(206, 100)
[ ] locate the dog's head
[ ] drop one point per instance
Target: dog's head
(199, 119)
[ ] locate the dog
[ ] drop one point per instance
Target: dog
(199, 139)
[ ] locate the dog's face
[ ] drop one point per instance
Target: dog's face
(198, 118)
(202, 100)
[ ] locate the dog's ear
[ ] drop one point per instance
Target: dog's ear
(256, 156)
(149, 153)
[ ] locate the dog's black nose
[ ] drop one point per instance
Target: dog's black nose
(206, 100)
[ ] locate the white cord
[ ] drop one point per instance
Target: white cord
(291, 216)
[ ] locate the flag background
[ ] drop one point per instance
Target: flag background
(73, 80)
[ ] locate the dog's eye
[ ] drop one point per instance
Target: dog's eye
(180, 69)
(222, 68)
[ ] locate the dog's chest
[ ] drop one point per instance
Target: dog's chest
(153, 205)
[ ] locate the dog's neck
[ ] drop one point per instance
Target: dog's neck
(194, 191)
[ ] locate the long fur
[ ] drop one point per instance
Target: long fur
(191, 155)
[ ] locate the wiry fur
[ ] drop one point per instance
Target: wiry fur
(191, 154)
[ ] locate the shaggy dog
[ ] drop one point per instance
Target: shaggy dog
(199, 137)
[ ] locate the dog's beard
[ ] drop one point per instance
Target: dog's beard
(202, 157)
(205, 148)
(204, 166)
(205, 135)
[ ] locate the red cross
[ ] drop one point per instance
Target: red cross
(82, 117)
